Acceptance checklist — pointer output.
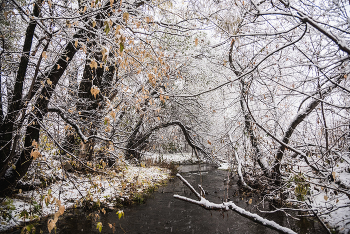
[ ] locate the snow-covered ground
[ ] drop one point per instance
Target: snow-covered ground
(73, 189)
(184, 158)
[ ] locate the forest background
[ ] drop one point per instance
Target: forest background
(260, 84)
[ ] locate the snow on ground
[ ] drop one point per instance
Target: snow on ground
(73, 189)
(339, 217)
(225, 166)
(183, 158)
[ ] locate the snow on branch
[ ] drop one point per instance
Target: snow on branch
(230, 206)
(306, 19)
(239, 166)
(79, 131)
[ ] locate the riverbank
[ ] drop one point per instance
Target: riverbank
(75, 189)
(128, 183)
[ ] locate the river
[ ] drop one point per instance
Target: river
(161, 213)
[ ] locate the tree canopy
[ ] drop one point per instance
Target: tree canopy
(261, 83)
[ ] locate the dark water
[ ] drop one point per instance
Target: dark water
(161, 213)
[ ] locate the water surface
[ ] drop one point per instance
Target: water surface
(161, 213)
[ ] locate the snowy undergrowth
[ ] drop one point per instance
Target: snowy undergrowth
(76, 190)
(326, 195)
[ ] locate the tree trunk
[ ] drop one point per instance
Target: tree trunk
(249, 129)
(12, 175)
(296, 121)
(7, 125)
(248, 119)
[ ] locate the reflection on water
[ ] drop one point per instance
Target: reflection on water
(163, 214)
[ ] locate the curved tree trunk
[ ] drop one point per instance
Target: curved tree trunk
(301, 115)
(249, 129)
(197, 146)
(248, 120)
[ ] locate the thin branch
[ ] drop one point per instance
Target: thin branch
(230, 206)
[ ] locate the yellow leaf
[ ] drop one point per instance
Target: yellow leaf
(94, 90)
(106, 120)
(50, 225)
(84, 9)
(120, 214)
(250, 201)
(325, 197)
(151, 79)
(126, 17)
(196, 41)
(49, 82)
(99, 226)
(76, 43)
(110, 225)
(6, 14)
(58, 66)
(161, 97)
(104, 54)
(112, 114)
(111, 2)
(333, 174)
(117, 28)
(93, 64)
(44, 55)
(93, 24)
(35, 144)
(61, 209)
(35, 154)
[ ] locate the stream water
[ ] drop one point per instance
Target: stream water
(161, 213)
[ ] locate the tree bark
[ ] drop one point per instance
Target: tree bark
(7, 125)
